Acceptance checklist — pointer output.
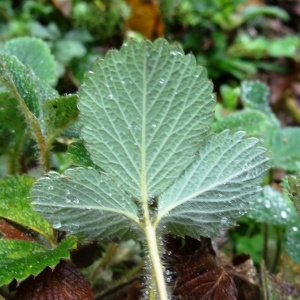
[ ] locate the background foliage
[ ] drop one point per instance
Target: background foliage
(251, 50)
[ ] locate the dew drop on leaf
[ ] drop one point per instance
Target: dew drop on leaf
(283, 214)
(224, 220)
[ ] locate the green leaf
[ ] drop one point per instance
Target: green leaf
(144, 111)
(273, 207)
(216, 189)
(294, 190)
(66, 50)
(59, 113)
(82, 201)
(291, 240)
(252, 121)
(255, 95)
(34, 53)
(12, 123)
(79, 156)
(285, 46)
(16, 205)
(20, 259)
(284, 148)
(253, 11)
(21, 83)
(229, 96)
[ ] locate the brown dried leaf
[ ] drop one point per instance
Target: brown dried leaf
(204, 276)
(64, 282)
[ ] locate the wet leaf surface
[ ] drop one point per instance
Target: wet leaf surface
(64, 282)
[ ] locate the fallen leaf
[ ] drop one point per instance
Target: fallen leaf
(64, 282)
(203, 275)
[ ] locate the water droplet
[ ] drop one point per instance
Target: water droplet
(154, 125)
(224, 221)
(268, 204)
(76, 201)
(50, 187)
(110, 97)
(295, 228)
(176, 53)
(283, 214)
(161, 81)
(57, 225)
(68, 192)
(90, 72)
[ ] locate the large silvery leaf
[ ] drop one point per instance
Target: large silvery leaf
(144, 111)
(216, 189)
(82, 201)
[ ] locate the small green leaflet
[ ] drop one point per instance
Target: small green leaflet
(20, 259)
(34, 53)
(16, 205)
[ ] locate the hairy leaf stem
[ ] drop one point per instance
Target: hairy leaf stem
(152, 242)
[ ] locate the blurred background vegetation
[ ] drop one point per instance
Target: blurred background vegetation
(236, 40)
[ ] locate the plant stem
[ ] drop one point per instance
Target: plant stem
(156, 262)
(276, 259)
(265, 247)
(33, 123)
(152, 242)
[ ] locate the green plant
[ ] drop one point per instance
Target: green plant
(273, 208)
(145, 112)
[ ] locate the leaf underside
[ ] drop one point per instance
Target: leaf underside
(82, 201)
(216, 189)
(145, 112)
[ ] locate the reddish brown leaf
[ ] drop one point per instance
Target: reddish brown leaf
(64, 282)
(204, 276)
(10, 231)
